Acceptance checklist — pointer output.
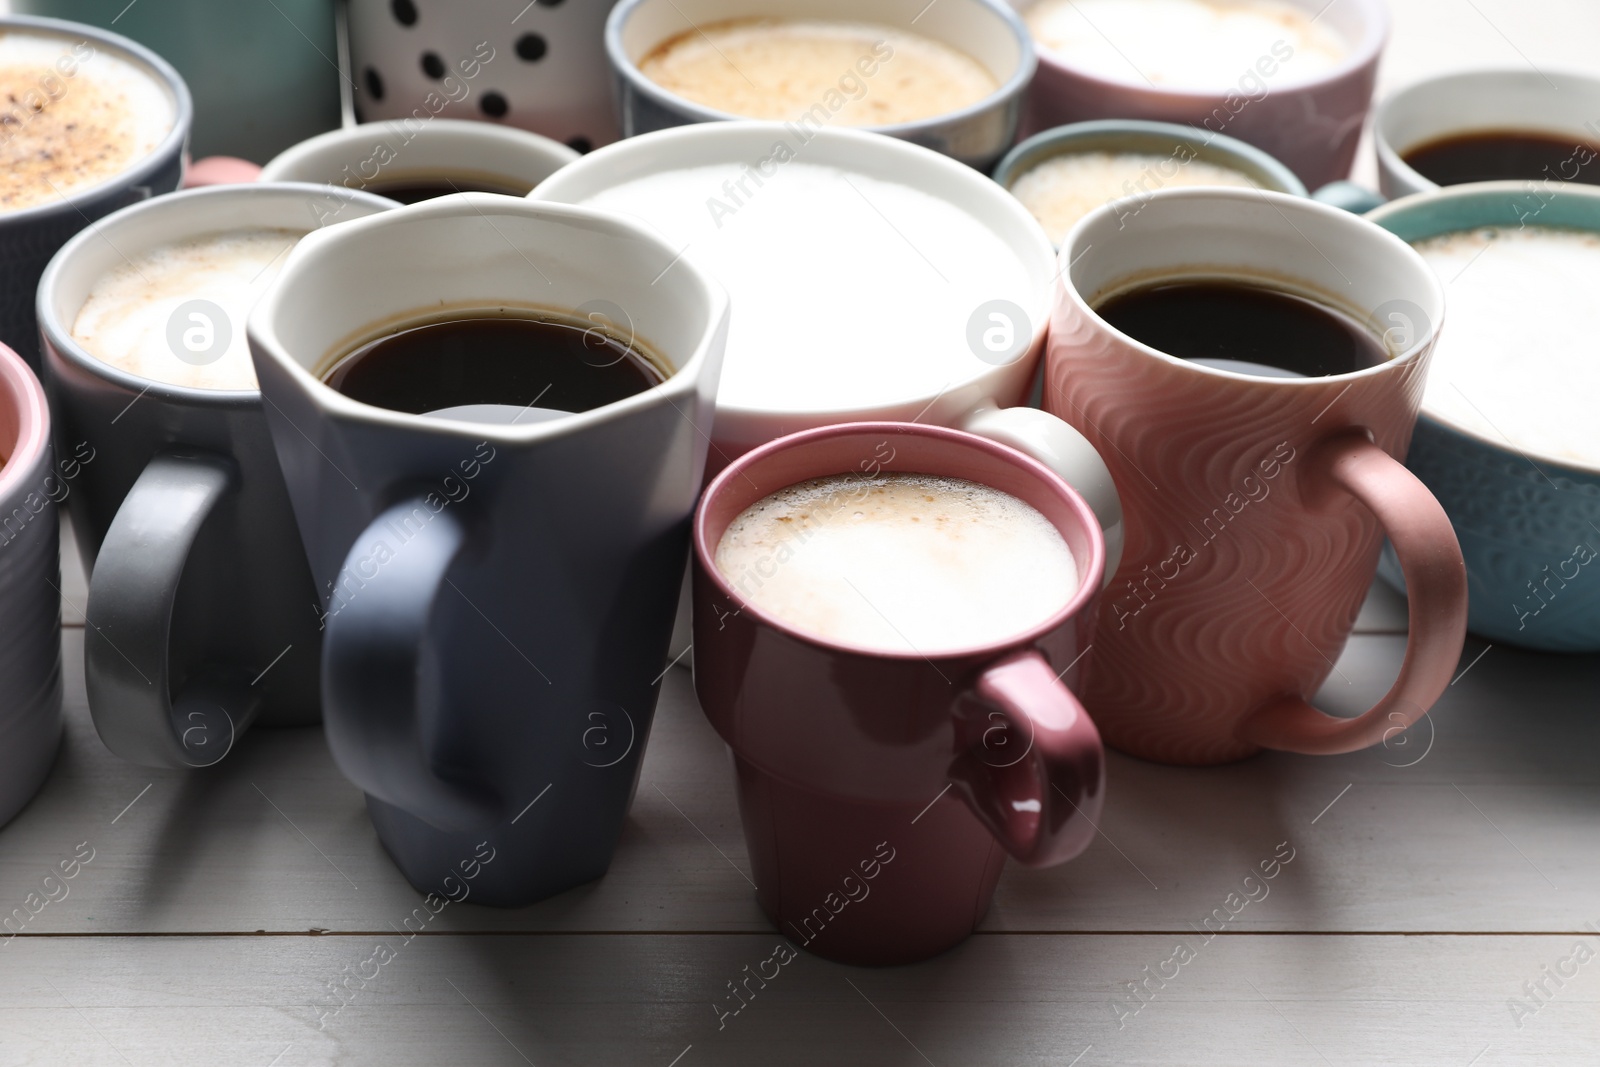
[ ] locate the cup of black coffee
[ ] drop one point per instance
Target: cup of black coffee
(490, 414)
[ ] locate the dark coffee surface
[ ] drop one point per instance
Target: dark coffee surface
(1506, 155)
(411, 192)
(1240, 326)
(523, 363)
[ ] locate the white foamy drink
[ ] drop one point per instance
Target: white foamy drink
(851, 291)
(72, 116)
(1518, 361)
(1061, 190)
(138, 316)
(899, 562)
(1188, 44)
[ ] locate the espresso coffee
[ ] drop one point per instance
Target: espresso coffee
(71, 117)
(1188, 44)
(496, 365)
(1063, 189)
(899, 562)
(855, 74)
(1506, 155)
(1245, 327)
(414, 190)
(139, 316)
(1519, 363)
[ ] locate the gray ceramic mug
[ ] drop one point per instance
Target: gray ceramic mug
(30, 593)
(201, 612)
(31, 235)
(498, 597)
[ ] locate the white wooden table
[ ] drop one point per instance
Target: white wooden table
(1435, 883)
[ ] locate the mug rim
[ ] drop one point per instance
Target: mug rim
(1088, 586)
(1376, 25)
(1282, 202)
(1390, 155)
(1012, 88)
(659, 149)
(21, 388)
(141, 170)
(299, 157)
(58, 335)
(264, 342)
(1497, 191)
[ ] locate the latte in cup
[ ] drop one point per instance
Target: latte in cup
(72, 116)
(1519, 364)
(1187, 44)
(899, 562)
(861, 74)
(1063, 189)
(157, 315)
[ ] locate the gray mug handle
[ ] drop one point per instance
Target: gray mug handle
(372, 653)
(1350, 196)
(126, 647)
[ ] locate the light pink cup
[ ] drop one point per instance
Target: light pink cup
(1255, 507)
(1310, 124)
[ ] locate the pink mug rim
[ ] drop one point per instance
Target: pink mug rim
(1362, 54)
(1088, 585)
(20, 389)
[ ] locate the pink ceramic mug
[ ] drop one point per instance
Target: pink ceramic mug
(1311, 123)
(1255, 506)
(882, 791)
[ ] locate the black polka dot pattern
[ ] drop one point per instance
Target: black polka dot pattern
(405, 12)
(531, 47)
(432, 65)
(374, 83)
(494, 105)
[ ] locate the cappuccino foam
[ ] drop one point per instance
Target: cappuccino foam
(1187, 44)
(127, 317)
(1065, 188)
(899, 562)
(72, 116)
(851, 291)
(855, 74)
(1519, 361)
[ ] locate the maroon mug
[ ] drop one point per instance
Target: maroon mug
(881, 791)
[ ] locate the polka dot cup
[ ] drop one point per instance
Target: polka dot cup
(536, 64)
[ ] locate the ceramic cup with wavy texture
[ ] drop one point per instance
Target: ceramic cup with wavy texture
(1519, 511)
(1255, 506)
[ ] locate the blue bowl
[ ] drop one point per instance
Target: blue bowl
(1529, 523)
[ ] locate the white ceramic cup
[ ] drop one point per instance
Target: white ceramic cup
(402, 152)
(1563, 103)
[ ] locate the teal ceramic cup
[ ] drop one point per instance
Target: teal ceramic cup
(263, 75)
(1528, 521)
(1174, 145)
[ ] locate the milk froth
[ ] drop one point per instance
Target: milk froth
(125, 320)
(1518, 360)
(899, 562)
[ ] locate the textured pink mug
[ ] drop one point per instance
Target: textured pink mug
(1255, 507)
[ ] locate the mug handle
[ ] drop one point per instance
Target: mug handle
(1436, 586)
(372, 654)
(1041, 805)
(127, 644)
(1058, 445)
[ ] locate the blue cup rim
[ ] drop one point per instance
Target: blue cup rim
(1455, 208)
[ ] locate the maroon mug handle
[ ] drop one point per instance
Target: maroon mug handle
(1436, 592)
(1041, 804)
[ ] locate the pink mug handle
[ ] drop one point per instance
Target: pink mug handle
(220, 170)
(1436, 588)
(1040, 803)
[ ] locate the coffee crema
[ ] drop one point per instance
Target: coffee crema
(1186, 44)
(72, 116)
(1064, 188)
(128, 319)
(1519, 364)
(857, 74)
(852, 291)
(899, 562)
